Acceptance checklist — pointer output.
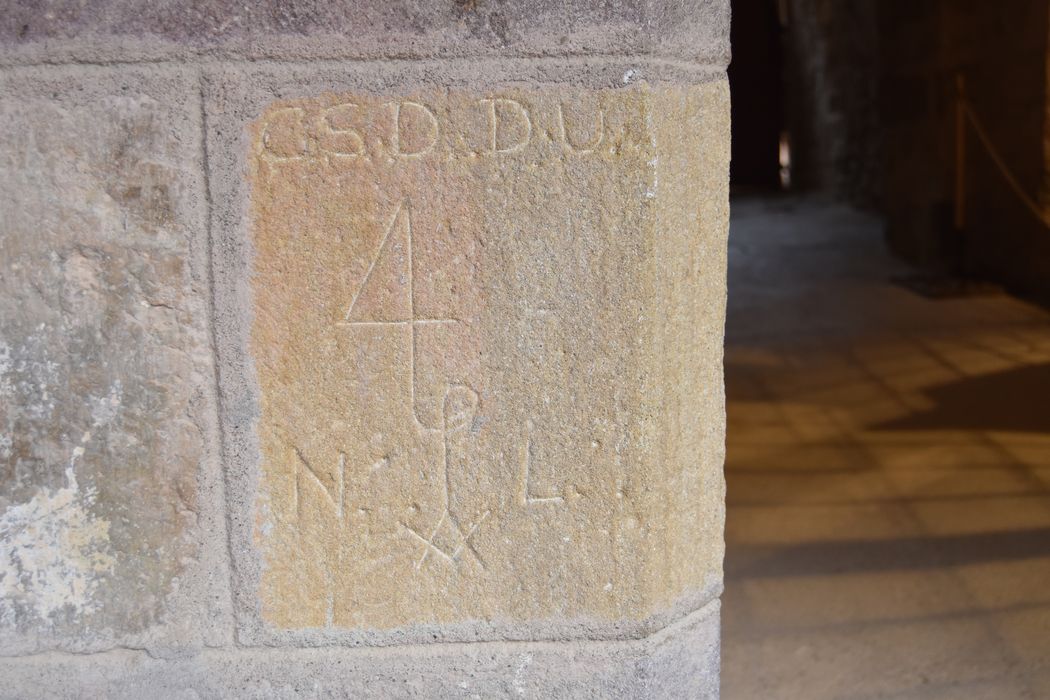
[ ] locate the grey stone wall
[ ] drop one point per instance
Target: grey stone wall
(832, 97)
(123, 165)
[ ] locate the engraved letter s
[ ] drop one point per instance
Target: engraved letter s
(351, 137)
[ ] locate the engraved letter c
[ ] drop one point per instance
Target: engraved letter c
(292, 133)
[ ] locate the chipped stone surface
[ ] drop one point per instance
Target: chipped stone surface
(487, 335)
(103, 358)
(54, 553)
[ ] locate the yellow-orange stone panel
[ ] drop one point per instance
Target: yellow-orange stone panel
(487, 334)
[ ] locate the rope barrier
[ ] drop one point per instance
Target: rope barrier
(982, 135)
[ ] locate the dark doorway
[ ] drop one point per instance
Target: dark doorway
(755, 78)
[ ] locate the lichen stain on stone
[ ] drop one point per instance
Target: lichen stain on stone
(53, 552)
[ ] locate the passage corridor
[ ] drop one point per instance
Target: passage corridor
(888, 468)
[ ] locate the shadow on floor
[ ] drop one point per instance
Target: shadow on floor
(911, 553)
(888, 477)
(1013, 400)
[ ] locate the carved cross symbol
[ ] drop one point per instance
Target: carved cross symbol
(401, 223)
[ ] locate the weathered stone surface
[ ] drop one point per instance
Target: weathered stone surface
(466, 271)
(107, 29)
(104, 416)
(487, 339)
(679, 662)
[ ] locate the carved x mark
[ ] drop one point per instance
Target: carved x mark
(464, 540)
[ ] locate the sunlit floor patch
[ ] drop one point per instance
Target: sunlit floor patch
(888, 470)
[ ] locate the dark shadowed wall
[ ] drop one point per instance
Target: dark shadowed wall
(755, 78)
(871, 107)
(832, 57)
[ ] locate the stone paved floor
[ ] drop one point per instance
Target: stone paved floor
(888, 473)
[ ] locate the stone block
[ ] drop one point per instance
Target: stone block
(448, 281)
(679, 662)
(480, 392)
(105, 30)
(106, 412)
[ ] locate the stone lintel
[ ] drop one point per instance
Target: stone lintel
(131, 30)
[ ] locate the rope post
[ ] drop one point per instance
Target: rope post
(960, 152)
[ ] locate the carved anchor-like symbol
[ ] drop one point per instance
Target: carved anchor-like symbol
(457, 413)
(460, 402)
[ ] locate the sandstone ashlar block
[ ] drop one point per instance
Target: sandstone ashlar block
(106, 427)
(485, 355)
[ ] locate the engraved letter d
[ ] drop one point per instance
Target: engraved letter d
(502, 113)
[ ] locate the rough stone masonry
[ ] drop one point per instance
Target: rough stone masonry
(362, 349)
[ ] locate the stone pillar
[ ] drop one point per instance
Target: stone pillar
(363, 349)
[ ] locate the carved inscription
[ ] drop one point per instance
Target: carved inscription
(392, 250)
(409, 129)
(527, 496)
(459, 404)
(445, 334)
(504, 139)
(425, 139)
(334, 493)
